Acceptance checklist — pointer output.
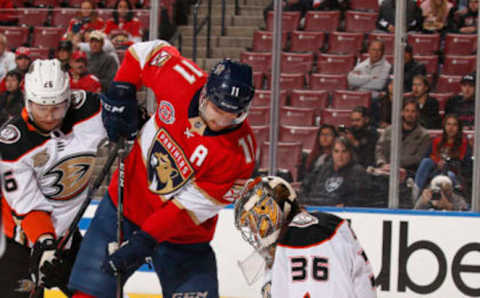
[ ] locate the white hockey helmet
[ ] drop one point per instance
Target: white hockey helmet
(46, 83)
(265, 205)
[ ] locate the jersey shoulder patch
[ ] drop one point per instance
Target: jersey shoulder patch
(10, 134)
(16, 139)
(308, 229)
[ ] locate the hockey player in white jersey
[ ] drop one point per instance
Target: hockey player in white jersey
(48, 156)
(305, 254)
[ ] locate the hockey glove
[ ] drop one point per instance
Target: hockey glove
(119, 111)
(43, 251)
(131, 254)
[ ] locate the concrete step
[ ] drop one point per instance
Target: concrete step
(240, 42)
(223, 52)
(216, 20)
(240, 31)
(187, 41)
(251, 20)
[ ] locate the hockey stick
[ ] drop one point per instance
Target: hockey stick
(37, 292)
(121, 180)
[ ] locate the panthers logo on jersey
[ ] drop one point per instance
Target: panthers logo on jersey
(68, 177)
(168, 167)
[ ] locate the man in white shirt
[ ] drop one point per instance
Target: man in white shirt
(372, 73)
(7, 58)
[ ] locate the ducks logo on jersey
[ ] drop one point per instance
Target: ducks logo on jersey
(68, 177)
(168, 167)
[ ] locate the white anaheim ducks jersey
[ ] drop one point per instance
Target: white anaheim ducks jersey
(320, 257)
(46, 175)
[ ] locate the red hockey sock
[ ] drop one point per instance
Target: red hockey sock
(79, 294)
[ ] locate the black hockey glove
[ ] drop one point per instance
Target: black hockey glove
(119, 111)
(43, 251)
(131, 254)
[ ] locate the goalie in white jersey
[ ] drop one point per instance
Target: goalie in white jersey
(48, 157)
(305, 254)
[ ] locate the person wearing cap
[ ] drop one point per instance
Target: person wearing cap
(100, 64)
(79, 76)
(463, 104)
(7, 58)
(23, 59)
(411, 68)
(64, 52)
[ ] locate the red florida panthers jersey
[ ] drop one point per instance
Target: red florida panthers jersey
(175, 156)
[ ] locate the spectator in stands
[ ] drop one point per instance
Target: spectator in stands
(11, 101)
(340, 181)
(79, 76)
(64, 52)
(108, 47)
(8, 15)
(329, 5)
(467, 19)
(362, 136)
(450, 154)
(322, 148)
(438, 16)
(381, 107)
(23, 59)
(440, 195)
(463, 104)
(7, 58)
(411, 69)
(372, 73)
(123, 19)
(386, 16)
(428, 106)
(86, 19)
(100, 64)
(415, 141)
(290, 5)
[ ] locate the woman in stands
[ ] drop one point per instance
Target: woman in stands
(123, 19)
(340, 181)
(438, 16)
(86, 19)
(322, 149)
(450, 154)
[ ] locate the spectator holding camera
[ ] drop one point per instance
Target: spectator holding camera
(362, 136)
(440, 196)
(86, 19)
(450, 154)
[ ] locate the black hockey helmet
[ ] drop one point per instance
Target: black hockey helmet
(230, 86)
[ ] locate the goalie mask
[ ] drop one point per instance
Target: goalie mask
(265, 205)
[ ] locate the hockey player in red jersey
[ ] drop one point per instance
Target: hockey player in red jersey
(303, 254)
(184, 167)
(48, 157)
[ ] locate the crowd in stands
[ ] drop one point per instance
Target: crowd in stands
(337, 62)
